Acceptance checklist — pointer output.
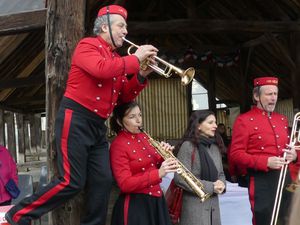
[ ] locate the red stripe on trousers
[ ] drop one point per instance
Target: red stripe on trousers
(66, 165)
(252, 197)
(126, 207)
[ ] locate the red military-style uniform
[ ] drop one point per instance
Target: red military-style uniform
(97, 82)
(256, 137)
(98, 77)
(135, 164)
(135, 167)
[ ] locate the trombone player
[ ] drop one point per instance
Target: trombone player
(259, 140)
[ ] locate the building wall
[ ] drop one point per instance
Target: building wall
(285, 107)
(165, 108)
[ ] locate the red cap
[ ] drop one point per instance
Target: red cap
(113, 9)
(260, 81)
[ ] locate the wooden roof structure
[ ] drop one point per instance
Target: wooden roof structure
(228, 42)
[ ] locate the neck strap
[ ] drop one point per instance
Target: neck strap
(109, 28)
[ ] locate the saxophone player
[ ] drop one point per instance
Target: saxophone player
(138, 170)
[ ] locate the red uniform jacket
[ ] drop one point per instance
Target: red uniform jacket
(8, 169)
(256, 137)
(135, 164)
(97, 78)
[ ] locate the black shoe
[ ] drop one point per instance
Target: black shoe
(9, 219)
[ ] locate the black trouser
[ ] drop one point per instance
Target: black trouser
(262, 191)
(83, 159)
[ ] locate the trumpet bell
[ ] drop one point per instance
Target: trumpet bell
(187, 76)
(165, 69)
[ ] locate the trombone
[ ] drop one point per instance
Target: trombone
(186, 75)
(294, 141)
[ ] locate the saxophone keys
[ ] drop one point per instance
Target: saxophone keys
(179, 171)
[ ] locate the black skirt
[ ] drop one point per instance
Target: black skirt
(140, 209)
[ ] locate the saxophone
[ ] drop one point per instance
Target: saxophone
(187, 176)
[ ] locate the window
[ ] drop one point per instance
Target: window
(200, 97)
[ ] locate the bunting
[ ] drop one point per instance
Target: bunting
(227, 60)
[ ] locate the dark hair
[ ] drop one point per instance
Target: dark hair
(119, 113)
(221, 124)
(192, 133)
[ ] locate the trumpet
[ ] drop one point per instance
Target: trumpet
(294, 141)
(186, 75)
(187, 175)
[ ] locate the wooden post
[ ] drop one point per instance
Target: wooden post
(35, 132)
(295, 74)
(2, 128)
(64, 28)
(211, 90)
(189, 98)
(11, 137)
(21, 137)
(245, 92)
(26, 138)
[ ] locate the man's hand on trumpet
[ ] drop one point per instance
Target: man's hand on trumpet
(146, 53)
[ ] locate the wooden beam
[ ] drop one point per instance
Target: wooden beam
(211, 90)
(245, 90)
(22, 82)
(2, 128)
(254, 42)
(15, 23)
(282, 51)
(22, 22)
(21, 136)
(179, 26)
(63, 31)
(23, 101)
(295, 74)
(11, 135)
(9, 108)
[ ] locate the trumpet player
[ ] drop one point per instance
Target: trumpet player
(259, 140)
(97, 82)
(138, 170)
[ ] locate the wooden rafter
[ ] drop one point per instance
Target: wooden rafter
(22, 82)
(177, 26)
(281, 51)
(15, 23)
